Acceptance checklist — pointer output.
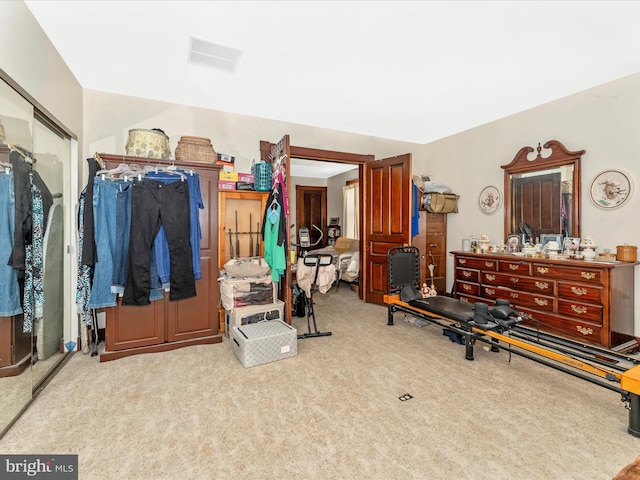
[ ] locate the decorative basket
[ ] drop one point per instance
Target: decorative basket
(195, 149)
(152, 143)
(262, 176)
(627, 253)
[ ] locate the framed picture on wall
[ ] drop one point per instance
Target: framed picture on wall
(334, 221)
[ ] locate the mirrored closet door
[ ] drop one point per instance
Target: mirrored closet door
(34, 279)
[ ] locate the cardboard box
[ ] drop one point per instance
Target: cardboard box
(226, 158)
(264, 342)
(224, 185)
(245, 177)
(228, 176)
(253, 314)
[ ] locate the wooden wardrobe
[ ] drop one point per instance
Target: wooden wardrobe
(165, 325)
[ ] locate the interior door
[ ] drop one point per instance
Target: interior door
(311, 209)
(386, 219)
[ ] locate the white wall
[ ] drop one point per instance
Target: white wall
(108, 118)
(604, 121)
(30, 60)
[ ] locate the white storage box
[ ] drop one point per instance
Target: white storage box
(253, 314)
(264, 342)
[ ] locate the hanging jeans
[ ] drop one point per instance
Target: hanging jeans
(123, 232)
(104, 210)
(153, 204)
(9, 288)
(195, 204)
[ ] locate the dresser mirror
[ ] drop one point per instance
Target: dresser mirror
(542, 192)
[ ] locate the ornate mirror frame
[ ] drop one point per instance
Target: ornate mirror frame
(559, 157)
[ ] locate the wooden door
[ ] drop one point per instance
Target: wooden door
(386, 220)
(311, 209)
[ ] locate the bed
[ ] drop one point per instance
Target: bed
(346, 258)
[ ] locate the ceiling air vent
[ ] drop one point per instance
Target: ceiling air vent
(212, 55)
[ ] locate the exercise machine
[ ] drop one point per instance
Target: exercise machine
(502, 328)
(304, 303)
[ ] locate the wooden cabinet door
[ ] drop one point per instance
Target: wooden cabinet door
(197, 316)
(131, 326)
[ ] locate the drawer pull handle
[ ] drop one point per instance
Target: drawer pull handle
(579, 291)
(514, 267)
(466, 287)
(542, 270)
(514, 295)
(542, 285)
(588, 275)
(462, 261)
(541, 301)
(433, 245)
(490, 291)
(466, 273)
(584, 330)
(491, 277)
(488, 264)
(514, 279)
(579, 310)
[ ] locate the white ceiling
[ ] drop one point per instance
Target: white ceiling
(412, 71)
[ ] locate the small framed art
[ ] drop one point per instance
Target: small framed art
(490, 200)
(549, 237)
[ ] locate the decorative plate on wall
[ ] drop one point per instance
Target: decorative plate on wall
(490, 200)
(611, 189)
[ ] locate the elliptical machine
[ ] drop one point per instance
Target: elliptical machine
(303, 303)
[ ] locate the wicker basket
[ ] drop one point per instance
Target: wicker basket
(195, 149)
(627, 253)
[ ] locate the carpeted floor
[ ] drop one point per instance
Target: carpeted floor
(331, 412)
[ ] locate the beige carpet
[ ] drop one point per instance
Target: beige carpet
(331, 412)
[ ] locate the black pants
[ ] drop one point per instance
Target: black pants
(153, 204)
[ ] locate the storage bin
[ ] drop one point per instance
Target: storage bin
(236, 293)
(224, 185)
(253, 314)
(264, 342)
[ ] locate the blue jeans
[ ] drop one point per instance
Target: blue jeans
(9, 288)
(105, 195)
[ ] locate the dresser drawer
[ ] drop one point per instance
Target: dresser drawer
(522, 299)
(592, 313)
(467, 288)
(581, 330)
(590, 275)
(521, 283)
(580, 293)
(467, 275)
(479, 263)
(515, 266)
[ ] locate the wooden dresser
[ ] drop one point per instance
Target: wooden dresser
(589, 301)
